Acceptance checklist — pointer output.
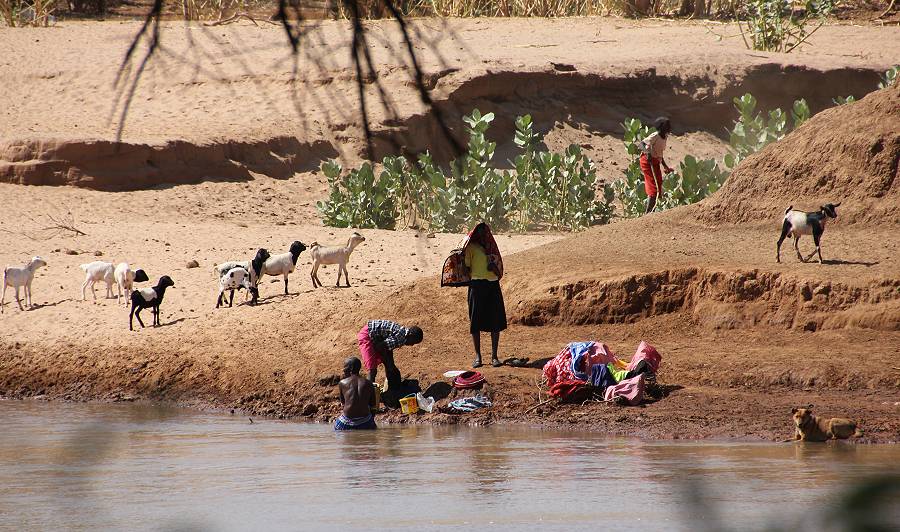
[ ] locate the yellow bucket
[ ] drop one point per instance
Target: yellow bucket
(409, 405)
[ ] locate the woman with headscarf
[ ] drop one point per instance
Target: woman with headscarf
(486, 310)
(655, 147)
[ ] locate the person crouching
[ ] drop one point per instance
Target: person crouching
(357, 398)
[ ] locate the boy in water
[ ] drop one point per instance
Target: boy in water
(358, 398)
(651, 159)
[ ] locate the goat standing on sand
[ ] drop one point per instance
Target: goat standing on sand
(333, 255)
(254, 267)
(284, 263)
(98, 271)
(148, 298)
(125, 279)
(235, 279)
(797, 223)
(21, 277)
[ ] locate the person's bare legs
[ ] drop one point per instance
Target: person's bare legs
(476, 341)
(495, 342)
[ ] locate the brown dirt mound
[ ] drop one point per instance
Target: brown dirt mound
(847, 154)
(107, 165)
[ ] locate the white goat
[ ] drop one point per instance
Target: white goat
(98, 271)
(333, 255)
(21, 277)
(284, 263)
(235, 279)
(125, 279)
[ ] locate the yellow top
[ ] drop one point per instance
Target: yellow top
(477, 261)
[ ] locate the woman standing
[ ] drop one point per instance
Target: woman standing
(486, 310)
(655, 145)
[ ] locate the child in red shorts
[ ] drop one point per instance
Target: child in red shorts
(651, 158)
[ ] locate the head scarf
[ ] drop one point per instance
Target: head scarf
(490, 247)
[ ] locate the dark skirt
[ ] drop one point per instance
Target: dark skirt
(486, 310)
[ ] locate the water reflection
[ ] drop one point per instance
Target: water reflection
(86, 467)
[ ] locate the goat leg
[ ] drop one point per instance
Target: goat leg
(346, 276)
(797, 247)
(231, 300)
(3, 297)
(285, 284)
(17, 299)
(138, 316)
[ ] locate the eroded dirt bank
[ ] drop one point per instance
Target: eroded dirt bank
(194, 118)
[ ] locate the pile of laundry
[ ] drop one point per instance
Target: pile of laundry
(585, 370)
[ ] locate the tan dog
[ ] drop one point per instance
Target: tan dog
(813, 428)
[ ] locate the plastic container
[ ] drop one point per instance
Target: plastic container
(409, 405)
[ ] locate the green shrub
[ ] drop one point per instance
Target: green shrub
(543, 190)
(843, 100)
(890, 77)
(774, 26)
(752, 131)
(358, 199)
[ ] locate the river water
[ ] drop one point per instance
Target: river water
(140, 467)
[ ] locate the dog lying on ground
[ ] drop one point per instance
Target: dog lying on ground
(814, 428)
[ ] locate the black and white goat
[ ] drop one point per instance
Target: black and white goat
(798, 223)
(254, 267)
(284, 263)
(235, 279)
(148, 298)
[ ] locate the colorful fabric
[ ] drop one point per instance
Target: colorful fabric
(569, 389)
(455, 272)
(617, 373)
(586, 355)
(601, 377)
(631, 391)
(559, 368)
(653, 177)
(371, 357)
(356, 423)
(477, 261)
(468, 404)
(393, 335)
(646, 352)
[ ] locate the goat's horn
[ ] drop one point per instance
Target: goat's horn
(838, 204)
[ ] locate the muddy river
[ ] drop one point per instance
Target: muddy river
(139, 467)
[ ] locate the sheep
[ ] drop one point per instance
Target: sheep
(98, 271)
(21, 277)
(284, 263)
(125, 279)
(235, 279)
(255, 267)
(797, 223)
(333, 255)
(148, 298)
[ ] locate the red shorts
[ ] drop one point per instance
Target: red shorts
(650, 169)
(371, 358)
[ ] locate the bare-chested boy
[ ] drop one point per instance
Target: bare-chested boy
(358, 398)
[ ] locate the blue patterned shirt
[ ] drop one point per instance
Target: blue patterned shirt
(393, 335)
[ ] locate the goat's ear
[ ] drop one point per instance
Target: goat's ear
(794, 410)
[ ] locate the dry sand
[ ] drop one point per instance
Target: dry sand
(217, 157)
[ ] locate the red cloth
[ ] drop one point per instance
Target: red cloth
(371, 357)
(565, 389)
(646, 352)
(651, 186)
(490, 248)
(559, 368)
